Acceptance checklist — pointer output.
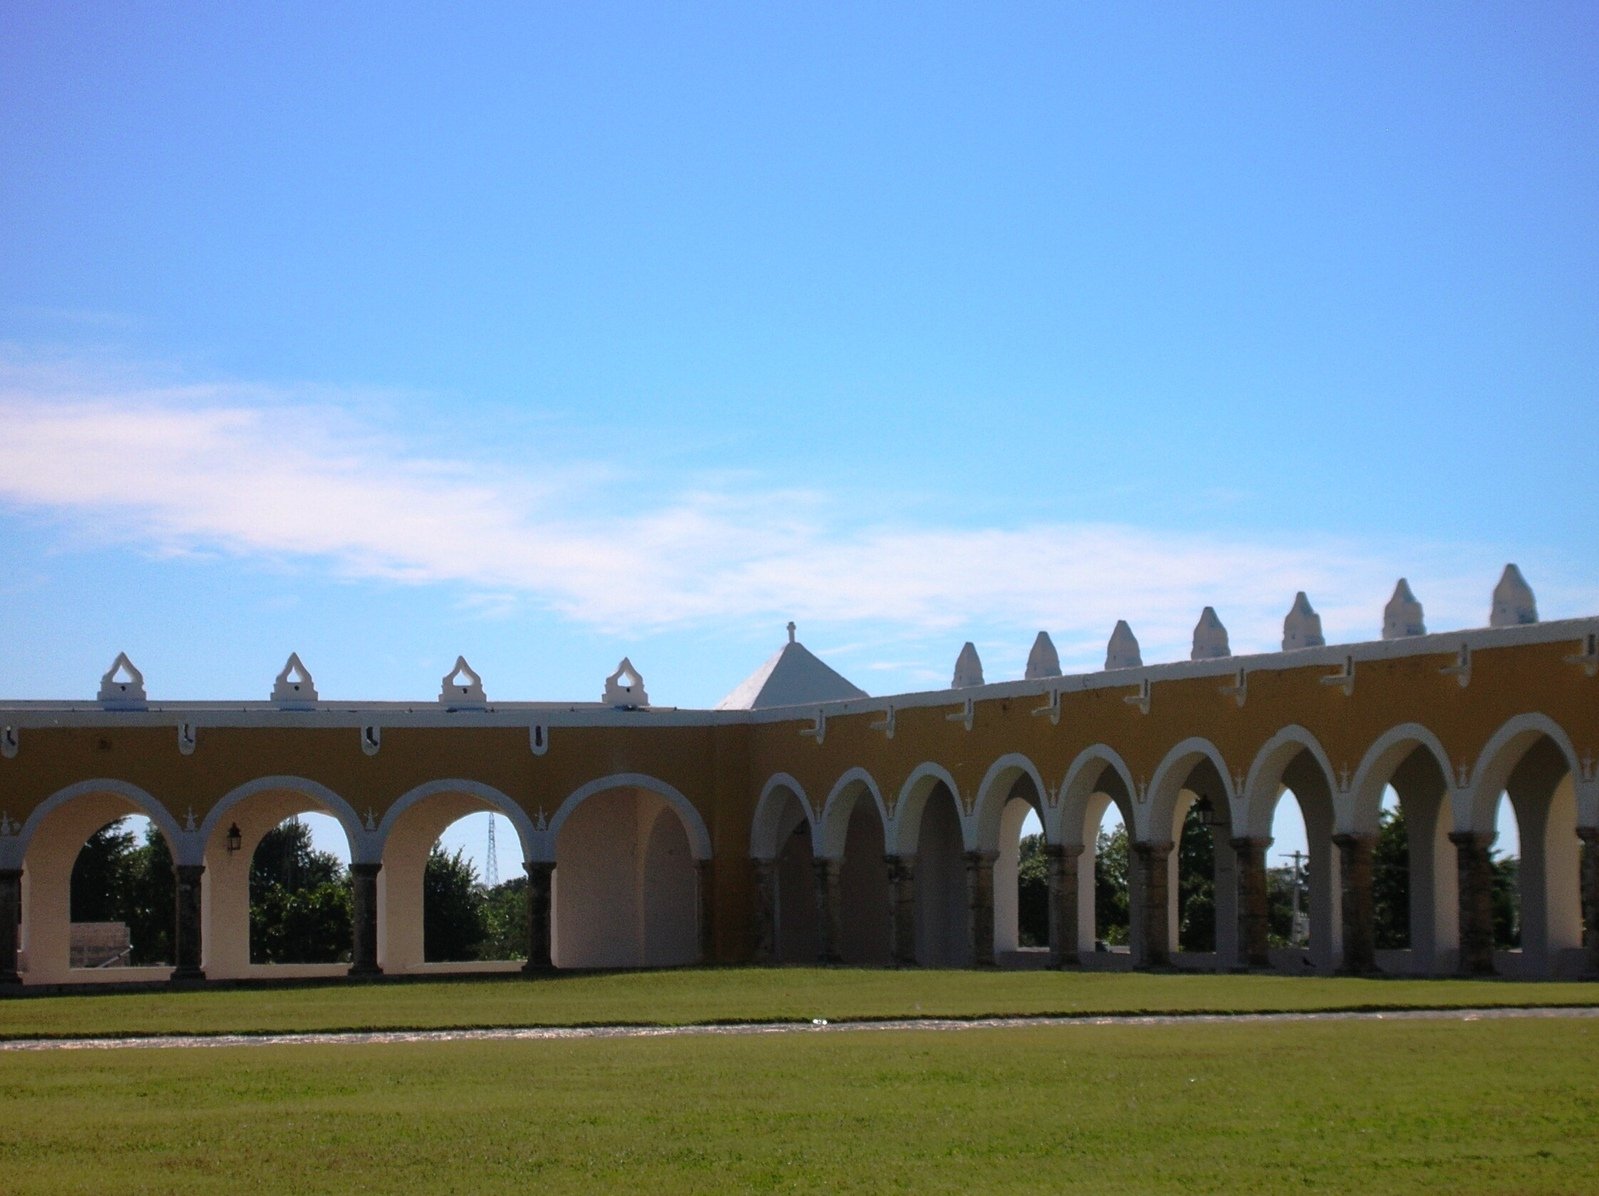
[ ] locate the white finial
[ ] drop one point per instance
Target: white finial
(624, 689)
(294, 689)
(122, 686)
(1401, 618)
(1043, 660)
(1122, 651)
(1302, 627)
(1513, 601)
(1210, 637)
(968, 668)
(462, 686)
(791, 630)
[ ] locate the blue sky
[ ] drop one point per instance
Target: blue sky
(546, 334)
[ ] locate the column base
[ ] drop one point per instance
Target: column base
(364, 970)
(187, 976)
(538, 969)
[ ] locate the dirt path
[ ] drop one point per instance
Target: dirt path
(819, 1026)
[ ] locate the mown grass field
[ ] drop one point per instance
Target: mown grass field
(1457, 1106)
(738, 994)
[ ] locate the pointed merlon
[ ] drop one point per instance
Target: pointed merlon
(1122, 651)
(1302, 627)
(294, 689)
(624, 689)
(1514, 605)
(1401, 618)
(462, 686)
(122, 686)
(968, 668)
(1043, 660)
(1210, 637)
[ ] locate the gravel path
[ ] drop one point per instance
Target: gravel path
(819, 1026)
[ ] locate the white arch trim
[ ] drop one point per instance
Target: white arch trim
(1263, 785)
(991, 794)
(14, 849)
(699, 839)
(363, 843)
(906, 827)
(488, 794)
(828, 834)
(1160, 806)
(1377, 769)
(1492, 769)
(1081, 783)
(763, 826)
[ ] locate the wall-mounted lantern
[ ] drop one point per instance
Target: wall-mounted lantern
(235, 838)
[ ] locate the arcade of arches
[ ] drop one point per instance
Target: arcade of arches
(874, 831)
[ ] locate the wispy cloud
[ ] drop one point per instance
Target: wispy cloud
(275, 474)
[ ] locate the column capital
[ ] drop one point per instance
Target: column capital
(365, 869)
(1251, 843)
(1163, 848)
(1480, 840)
(1063, 851)
(981, 857)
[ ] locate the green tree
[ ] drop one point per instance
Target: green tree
(150, 900)
(1280, 905)
(300, 902)
(100, 874)
(1196, 884)
(505, 914)
(1390, 881)
(1032, 892)
(454, 908)
(1506, 901)
(1112, 911)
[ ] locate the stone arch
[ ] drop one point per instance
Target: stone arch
(1084, 779)
(1264, 784)
(764, 826)
(626, 888)
(699, 839)
(1163, 806)
(995, 791)
(1382, 760)
(1193, 769)
(405, 839)
(46, 850)
(1500, 757)
(256, 807)
(832, 829)
(912, 802)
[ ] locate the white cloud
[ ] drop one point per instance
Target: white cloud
(285, 475)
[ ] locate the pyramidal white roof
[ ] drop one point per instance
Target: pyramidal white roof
(794, 677)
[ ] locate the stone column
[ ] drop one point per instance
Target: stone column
(707, 910)
(186, 944)
(1063, 913)
(1360, 929)
(902, 909)
(980, 905)
(765, 911)
(1254, 921)
(540, 875)
(10, 924)
(1476, 901)
(829, 910)
(1150, 860)
(364, 921)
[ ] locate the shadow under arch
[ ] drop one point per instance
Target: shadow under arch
(911, 804)
(999, 785)
(627, 889)
(850, 847)
(1192, 771)
(1009, 790)
(1293, 760)
(783, 834)
(46, 850)
(1097, 779)
(766, 840)
(1531, 762)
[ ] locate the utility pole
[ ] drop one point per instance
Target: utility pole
(1297, 857)
(491, 870)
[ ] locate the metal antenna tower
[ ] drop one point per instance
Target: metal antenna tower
(491, 870)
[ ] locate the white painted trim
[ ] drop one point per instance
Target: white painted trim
(991, 800)
(699, 839)
(14, 848)
(1359, 814)
(904, 830)
(1160, 805)
(497, 801)
(769, 807)
(363, 843)
(1071, 808)
(832, 829)
(1491, 771)
(1254, 807)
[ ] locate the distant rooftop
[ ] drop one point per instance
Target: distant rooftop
(793, 677)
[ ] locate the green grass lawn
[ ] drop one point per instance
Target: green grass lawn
(1486, 1106)
(738, 994)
